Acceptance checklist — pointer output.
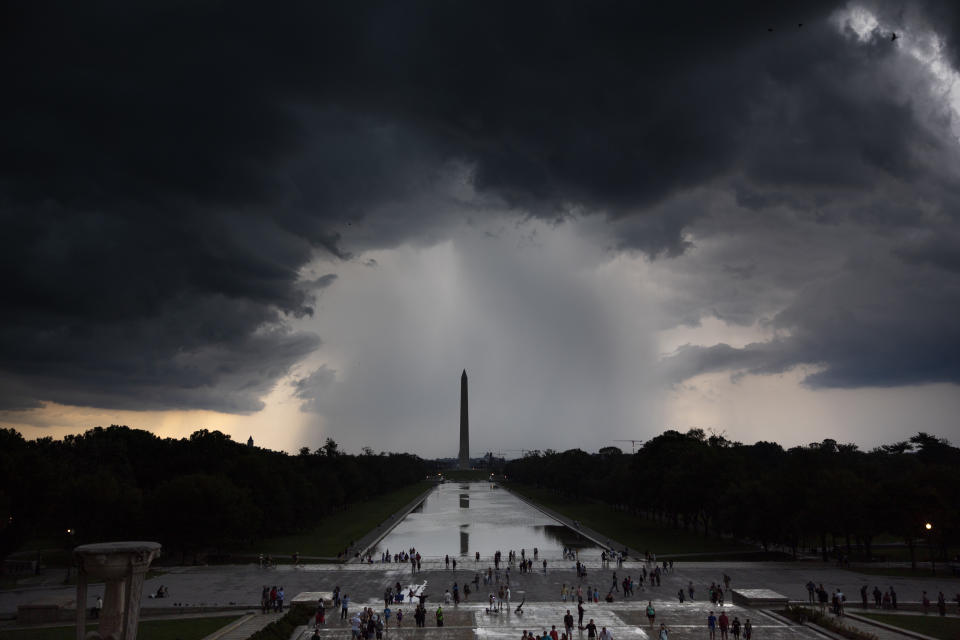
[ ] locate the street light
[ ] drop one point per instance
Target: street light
(929, 527)
(68, 547)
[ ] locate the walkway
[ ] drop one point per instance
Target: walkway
(244, 627)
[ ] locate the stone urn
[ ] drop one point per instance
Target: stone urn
(123, 567)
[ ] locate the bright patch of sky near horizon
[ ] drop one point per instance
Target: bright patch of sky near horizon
(574, 368)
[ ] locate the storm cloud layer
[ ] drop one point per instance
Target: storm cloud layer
(169, 171)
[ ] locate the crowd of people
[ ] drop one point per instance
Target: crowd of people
(368, 624)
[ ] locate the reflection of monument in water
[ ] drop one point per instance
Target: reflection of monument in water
(464, 462)
(465, 528)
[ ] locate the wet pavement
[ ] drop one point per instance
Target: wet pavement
(623, 620)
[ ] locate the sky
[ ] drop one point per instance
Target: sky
(303, 221)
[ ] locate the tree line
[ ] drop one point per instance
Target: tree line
(827, 496)
(205, 493)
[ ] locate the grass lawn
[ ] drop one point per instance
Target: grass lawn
(184, 629)
(902, 572)
(335, 533)
(637, 533)
(933, 625)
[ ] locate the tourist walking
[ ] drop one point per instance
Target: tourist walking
(591, 629)
(568, 623)
(724, 623)
(344, 603)
(712, 626)
(664, 634)
(651, 613)
(747, 630)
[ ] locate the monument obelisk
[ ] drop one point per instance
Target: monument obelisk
(464, 424)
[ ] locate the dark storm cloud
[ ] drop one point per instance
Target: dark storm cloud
(168, 169)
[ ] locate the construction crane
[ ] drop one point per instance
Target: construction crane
(633, 444)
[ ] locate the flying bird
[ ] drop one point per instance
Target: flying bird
(893, 37)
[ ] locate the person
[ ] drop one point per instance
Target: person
(712, 626)
(439, 616)
(399, 618)
(605, 635)
(822, 598)
(378, 627)
(811, 589)
(554, 635)
(893, 597)
(344, 603)
(580, 614)
(97, 607)
(280, 599)
(724, 623)
(591, 629)
(735, 628)
(386, 617)
(355, 627)
(747, 630)
(316, 634)
(942, 604)
(690, 589)
(568, 624)
(680, 595)
(651, 613)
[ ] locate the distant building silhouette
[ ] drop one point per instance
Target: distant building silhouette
(250, 441)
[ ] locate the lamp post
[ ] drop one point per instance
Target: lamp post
(929, 527)
(68, 546)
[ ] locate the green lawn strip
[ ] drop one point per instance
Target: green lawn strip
(337, 531)
(902, 572)
(637, 533)
(932, 625)
(180, 629)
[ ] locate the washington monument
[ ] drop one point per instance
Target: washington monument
(464, 424)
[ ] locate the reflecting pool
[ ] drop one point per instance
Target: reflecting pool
(461, 519)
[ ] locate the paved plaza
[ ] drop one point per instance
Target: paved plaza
(624, 620)
(240, 585)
